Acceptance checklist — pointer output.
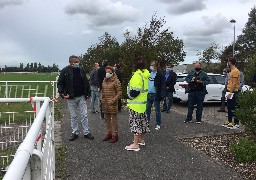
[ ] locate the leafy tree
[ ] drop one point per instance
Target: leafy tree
(106, 49)
(247, 40)
(209, 56)
(152, 42)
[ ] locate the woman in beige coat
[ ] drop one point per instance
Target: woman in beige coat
(110, 93)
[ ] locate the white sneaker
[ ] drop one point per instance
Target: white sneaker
(142, 143)
(236, 126)
(157, 127)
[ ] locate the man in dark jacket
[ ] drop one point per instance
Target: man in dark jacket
(95, 94)
(156, 92)
(73, 86)
(101, 75)
(120, 78)
(197, 81)
(170, 78)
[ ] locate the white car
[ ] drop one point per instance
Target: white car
(214, 88)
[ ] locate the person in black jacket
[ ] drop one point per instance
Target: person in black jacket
(120, 77)
(101, 75)
(170, 78)
(73, 86)
(156, 92)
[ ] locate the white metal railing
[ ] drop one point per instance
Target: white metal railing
(18, 89)
(35, 157)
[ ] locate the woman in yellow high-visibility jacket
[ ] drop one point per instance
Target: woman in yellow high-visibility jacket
(137, 91)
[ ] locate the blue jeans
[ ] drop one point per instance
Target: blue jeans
(74, 105)
(168, 106)
(150, 100)
(232, 103)
(95, 94)
(195, 98)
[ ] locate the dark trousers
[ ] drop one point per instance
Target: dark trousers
(167, 106)
(232, 104)
(119, 105)
(195, 98)
(223, 99)
(150, 101)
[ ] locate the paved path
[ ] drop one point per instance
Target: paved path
(163, 157)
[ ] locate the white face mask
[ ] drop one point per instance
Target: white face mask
(109, 75)
(76, 65)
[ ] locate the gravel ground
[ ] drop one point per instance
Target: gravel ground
(218, 148)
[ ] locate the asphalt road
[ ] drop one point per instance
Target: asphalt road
(163, 157)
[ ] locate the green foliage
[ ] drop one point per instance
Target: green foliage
(106, 49)
(246, 110)
(250, 69)
(244, 150)
(152, 42)
(247, 40)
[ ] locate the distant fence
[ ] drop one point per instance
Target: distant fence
(35, 157)
(26, 89)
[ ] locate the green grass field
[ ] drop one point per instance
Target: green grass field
(23, 90)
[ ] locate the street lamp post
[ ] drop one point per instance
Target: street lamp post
(234, 21)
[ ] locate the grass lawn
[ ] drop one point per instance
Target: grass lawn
(23, 90)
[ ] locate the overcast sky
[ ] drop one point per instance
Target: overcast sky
(49, 31)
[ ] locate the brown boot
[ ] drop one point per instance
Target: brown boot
(114, 139)
(107, 137)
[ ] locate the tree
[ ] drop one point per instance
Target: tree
(152, 42)
(247, 40)
(209, 57)
(106, 49)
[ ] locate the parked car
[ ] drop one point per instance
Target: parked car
(214, 88)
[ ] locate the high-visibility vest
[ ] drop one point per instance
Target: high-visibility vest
(138, 82)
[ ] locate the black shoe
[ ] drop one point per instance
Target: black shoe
(102, 116)
(198, 122)
(93, 112)
(163, 110)
(168, 111)
(187, 121)
(89, 136)
(221, 110)
(73, 137)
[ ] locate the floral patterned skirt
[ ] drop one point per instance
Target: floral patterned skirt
(138, 122)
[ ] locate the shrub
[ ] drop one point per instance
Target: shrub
(244, 150)
(246, 110)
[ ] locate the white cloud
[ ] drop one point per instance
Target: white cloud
(184, 6)
(86, 32)
(210, 30)
(102, 12)
(4, 3)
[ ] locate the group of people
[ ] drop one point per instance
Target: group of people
(147, 86)
(144, 89)
(197, 81)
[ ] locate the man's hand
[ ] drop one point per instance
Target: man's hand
(193, 79)
(229, 96)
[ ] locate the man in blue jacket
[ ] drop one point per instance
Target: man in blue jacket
(170, 78)
(156, 92)
(73, 86)
(197, 81)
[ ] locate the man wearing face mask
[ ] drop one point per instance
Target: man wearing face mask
(197, 81)
(101, 75)
(232, 96)
(223, 98)
(156, 92)
(73, 86)
(170, 78)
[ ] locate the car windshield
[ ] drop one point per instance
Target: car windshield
(180, 78)
(220, 79)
